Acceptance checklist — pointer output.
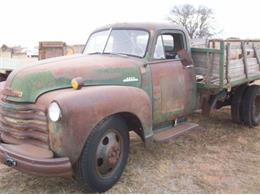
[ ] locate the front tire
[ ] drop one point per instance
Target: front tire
(104, 156)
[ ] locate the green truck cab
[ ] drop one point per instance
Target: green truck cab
(72, 115)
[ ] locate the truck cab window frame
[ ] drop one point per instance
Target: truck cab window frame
(172, 43)
(142, 39)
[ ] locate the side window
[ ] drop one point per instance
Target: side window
(169, 44)
(159, 50)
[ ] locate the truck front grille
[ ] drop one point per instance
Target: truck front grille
(23, 123)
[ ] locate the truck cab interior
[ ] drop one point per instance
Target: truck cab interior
(168, 45)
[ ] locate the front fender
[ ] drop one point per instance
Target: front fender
(83, 109)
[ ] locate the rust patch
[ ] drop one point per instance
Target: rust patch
(172, 98)
(36, 166)
(29, 151)
(23, 123)
(83, 109)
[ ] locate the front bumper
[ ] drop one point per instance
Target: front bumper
(36, 166)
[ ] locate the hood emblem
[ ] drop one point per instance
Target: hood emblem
(130, 79)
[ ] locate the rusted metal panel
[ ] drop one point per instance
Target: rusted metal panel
(174, 131)
(29, 150)
(173, 90)
(37, 166)
(171, 99)
(21, 123)
(51, 49)
(167, 79)
(84, 109)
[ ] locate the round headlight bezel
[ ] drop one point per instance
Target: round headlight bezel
(54, 112)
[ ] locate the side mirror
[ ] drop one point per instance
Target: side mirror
(185, 57)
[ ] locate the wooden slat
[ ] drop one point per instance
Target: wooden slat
(257, 56)
(227, 62)
(242, 62)
(244, 58)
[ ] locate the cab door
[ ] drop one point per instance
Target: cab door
(174, 85)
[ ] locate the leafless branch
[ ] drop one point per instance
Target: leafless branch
(197, 21)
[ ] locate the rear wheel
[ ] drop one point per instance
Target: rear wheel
(236, 104)
(251, 106)
(104, 156)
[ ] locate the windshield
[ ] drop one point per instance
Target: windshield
(118, 42)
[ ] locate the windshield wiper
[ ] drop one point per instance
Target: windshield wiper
(126, 54)
(110, 53)
(93, 53)
(104, 53)
(119, 54)
(122, 54)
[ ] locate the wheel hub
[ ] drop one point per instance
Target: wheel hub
(108, 153)
(113, 154)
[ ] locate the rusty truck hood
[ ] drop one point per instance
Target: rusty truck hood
(48, 75)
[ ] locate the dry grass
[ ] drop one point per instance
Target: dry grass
(217, 157)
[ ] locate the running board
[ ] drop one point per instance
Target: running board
(173, 132)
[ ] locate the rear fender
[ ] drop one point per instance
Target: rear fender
(83, 109)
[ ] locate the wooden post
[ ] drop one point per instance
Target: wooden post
(222, 64)
(257, 56)
(227, 63)
(244, 58)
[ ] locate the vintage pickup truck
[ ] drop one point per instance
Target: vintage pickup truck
(71, 116)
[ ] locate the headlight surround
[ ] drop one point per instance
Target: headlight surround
(54, 112)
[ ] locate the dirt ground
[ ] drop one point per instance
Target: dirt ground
(217, 157)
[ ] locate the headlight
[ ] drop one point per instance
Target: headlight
(54, 112)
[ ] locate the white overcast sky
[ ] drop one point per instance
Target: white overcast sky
(26, 22)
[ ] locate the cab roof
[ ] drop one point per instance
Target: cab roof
(146, 26)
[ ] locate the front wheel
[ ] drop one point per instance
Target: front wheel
(104, 156)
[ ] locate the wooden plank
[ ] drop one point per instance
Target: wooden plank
(244, 58)
(204, 50)
(221, 65)
(257, 56)
(211, 66)
(214, 44)
(227, 62)
(235, 40)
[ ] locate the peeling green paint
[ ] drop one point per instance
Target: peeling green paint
(35, 84)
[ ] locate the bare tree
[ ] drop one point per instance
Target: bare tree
(197, 21)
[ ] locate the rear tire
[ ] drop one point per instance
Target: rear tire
(104, 155)
(236, 104)
(251, 106)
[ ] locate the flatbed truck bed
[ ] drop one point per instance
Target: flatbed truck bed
(226, 64)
